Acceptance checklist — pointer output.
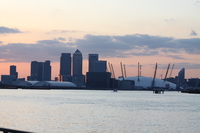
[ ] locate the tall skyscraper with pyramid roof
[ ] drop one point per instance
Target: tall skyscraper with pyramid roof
(78, 77)
(77, 63)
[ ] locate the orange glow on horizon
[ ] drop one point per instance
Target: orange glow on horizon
(23, 69)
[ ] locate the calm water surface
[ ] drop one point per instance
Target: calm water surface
(66, 111)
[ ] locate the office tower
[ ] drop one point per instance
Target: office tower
(40, 71)
(46, 68)
(92, 59)
(34, 71)
(100, 66)
(8, 79)
(98, 80)
(78, 77)
(97, 77)
(13, 71)
(65, 64)
(77, 63)
(181, 76)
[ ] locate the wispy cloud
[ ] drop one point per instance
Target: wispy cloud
(170, 20)
(187, 65)
(6, 30)
(175, 56)
(179, 65)
(62, 31)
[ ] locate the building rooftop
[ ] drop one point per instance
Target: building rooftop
(77, 52)
(146, 82)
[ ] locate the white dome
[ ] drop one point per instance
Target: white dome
(146, 82)
(55, 84)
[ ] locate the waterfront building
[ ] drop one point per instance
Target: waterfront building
(13, 72)
(65, 65)
(92, 59)
(97, 77)
(40, 71)
(8, 79)
(98, 80)
(193, 82)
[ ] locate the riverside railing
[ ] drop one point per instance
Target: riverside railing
(6, 130)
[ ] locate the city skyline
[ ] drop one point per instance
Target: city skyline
(69, 64)
(129, 31)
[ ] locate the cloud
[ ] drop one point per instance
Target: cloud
(106, 46)
(187, 66)
(6, 30)
(61, 39)
(193, 33)
(62, 31)
(178, 66)
(169, 20)
(197, 3)
(175, 56)
(42, 50)
(190, 46)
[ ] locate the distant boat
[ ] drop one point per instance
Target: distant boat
(158, 91)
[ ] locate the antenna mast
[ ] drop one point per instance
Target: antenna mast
(171, 71)
(110, 70)
(113, 71)
(153, 82)
(167, 72)
(122, 70)
(138, 71)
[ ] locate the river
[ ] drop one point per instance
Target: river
(90, 111)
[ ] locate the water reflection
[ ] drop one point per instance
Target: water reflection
(98, 111)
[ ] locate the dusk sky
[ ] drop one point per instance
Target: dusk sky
(127, 31)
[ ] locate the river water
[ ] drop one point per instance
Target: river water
(89, 111)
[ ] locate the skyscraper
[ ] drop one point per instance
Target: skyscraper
(97, 77)
(40, 71)
(65, 64)
(78, 77)
(92, 59)
(13, 72)
(100, 66)
(77, 63)
(181, 76)
(34, 71)
(46, 76)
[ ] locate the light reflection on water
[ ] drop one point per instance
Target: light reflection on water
(99, 111)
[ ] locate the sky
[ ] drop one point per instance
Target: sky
(127, 31)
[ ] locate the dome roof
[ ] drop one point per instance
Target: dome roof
(55, 84)
(25, 83)
(146, 82)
